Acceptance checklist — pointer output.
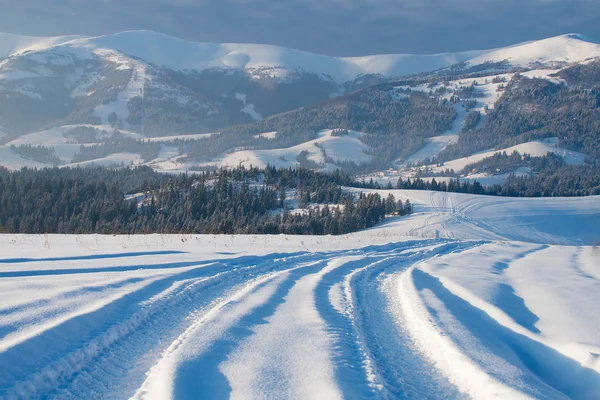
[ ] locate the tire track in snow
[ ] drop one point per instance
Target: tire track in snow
(307, 325)
(76, 354)
(479, 347)
(289, 356)
(355, 368)
(400, 371)
(195, 355)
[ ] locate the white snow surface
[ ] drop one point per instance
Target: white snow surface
(116, 159)
(12, 44)
(469, 297)
(569, 48)
(338, 148)
(536, 148)
(12, 160)
(59, 135)
(178, 54)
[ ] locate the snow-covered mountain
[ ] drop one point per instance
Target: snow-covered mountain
(554, 52)
(156, 84)
(54, 91)
(11, 45)
(177, 54)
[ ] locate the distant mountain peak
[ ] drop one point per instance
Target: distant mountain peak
(580, 36)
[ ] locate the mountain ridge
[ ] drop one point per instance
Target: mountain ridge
(179, 54)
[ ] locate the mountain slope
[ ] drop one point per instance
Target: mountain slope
(178, 54)
(11, 44)
(552, 52)
(140, 84)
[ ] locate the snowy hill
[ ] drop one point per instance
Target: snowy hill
(552, 52)
(11, 45)
(324, 151)
(159, 85)
(536, 148)
(178, 54)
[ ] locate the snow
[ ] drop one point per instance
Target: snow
(162, 50)
(537, 148)
(347, 147)
(488, 94)
(14, 161)
(134, 88)
(178, 54)
(248, 108)
(564, 221)
(55, 136)
(28, 91)
(266, 135)
(535, 305)
(64, 147)
(408, 64)
(11, 44)
(438, 143)
(568, 48)
(117, 159)
(468, 297)
(12, 75)
(471, 296)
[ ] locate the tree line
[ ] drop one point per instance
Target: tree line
(549, 176)
(237, 201)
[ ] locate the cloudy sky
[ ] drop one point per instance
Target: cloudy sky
(335, 27)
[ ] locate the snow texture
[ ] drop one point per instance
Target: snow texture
(469, 297)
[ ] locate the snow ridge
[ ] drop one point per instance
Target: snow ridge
(178, 54)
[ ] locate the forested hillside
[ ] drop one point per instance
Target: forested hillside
(397, 126)
(538, 108)
(550, 177)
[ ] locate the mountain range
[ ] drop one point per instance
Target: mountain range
(47, 82)
(82, 97)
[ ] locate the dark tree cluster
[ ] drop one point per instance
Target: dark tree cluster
(37, 153)
(550, 177)
(147, 150)
(472, 120)
(225, 201)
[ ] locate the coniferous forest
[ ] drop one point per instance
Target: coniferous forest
(241, 201)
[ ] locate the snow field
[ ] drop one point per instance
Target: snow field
(178, 54)
(471, 296)
(135, 87)
(495, 303)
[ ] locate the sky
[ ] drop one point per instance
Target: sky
(333, 27)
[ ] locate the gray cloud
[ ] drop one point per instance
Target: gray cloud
(336, 27)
